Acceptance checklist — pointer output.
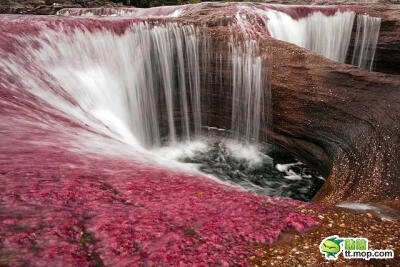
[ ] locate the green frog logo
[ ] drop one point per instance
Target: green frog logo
(330, 246)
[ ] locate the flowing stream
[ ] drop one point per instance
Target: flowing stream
(146, 84)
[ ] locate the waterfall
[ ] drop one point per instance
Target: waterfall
(324, 30)
(248, 86)
(326, 35)
(132, 83)
(140, 83)
(143, 83)
(366, 41)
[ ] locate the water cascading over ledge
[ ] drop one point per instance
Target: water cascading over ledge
(218, 112)
(143, 86)
(72, 197)
(76, 188)
(297, 125)
(249, 84)
(324, 112)
(133, 83)
(326, 30)
(366, 40)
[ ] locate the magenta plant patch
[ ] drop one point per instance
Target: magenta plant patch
(60, 208)
(72, 196)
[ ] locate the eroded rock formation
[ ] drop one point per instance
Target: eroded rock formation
(341, 119)
(48, 7)
(72, 194)
(387, 58)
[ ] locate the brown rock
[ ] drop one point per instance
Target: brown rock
(48, 7)
(342, 120)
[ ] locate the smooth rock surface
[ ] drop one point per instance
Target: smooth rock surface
(341, 119)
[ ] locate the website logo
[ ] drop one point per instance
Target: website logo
(330, 246)
(351, 248)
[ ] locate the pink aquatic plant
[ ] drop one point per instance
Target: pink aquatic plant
(59, 207)
(66, 199)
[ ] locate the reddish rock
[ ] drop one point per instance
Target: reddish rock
(66, 202)
(64, 205)
(343, 120)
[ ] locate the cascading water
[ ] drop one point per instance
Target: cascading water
(152, 79)
(125, 84)
(79, 99)
(325, 35)
(128, 82)
(171, 74)
(329, 35)
(142, 84)
(249, 84)
(366, 41)
(326, 30)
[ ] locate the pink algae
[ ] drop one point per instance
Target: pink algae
(60, 208)
(65, 206)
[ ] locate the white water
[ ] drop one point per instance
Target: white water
(128, 82)
(248, 87)
(144, 84)
(329, 36)
(247, 152)
(326, 35)
(366, 41)
(378, 210)
(250, 153)
(290, 174)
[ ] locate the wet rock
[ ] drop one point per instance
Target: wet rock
(342, 120)
(48, 7)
